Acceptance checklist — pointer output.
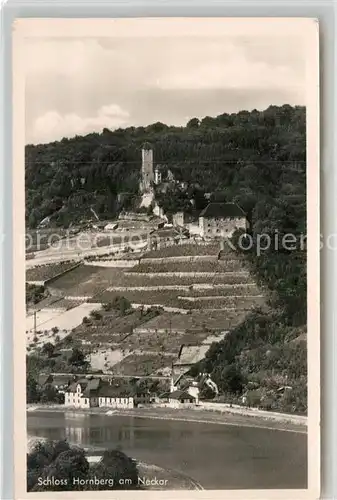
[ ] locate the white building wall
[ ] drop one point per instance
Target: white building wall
(219, 227)
(76, 399)
(194, 391)
(178, 219)
(157, 176)
(108, 402)
(174, 403)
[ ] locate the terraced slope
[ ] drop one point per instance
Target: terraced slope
(198, 296)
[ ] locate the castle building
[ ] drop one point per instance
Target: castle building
(178, 219)
(147, 168)
(221, 220)
(157, 175)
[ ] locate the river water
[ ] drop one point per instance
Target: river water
(216, 456)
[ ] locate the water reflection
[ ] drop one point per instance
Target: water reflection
(85, 430)
(217, 456)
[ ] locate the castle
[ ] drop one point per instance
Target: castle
(147, 178)
(151, 175)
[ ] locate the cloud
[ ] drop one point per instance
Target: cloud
(236, 71)
(70, 83)
(54, 126)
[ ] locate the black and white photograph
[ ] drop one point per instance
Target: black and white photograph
(166, 172)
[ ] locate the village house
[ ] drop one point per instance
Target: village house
(178, 219)
(44, 379)
(59, 382)
(185, 384)
(178, 399)
(221, 220)
(141, 397)
(62, 382)
(97, 393)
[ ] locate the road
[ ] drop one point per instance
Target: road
(112, 375)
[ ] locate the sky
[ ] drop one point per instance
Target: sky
(75, 86)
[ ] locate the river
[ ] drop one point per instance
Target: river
(216, 456)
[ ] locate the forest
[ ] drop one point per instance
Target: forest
(254, 158)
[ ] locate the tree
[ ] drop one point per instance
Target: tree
(67, 469)
(256, 159)
(193, 123)
(50, 394)
(32, 392)
(48, 349)
(77, 359)
(117, 466)
(41, 456)
(96, 315)
(232, 379)
(206, 393)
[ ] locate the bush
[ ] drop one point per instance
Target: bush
(62, 462)
(96, 315)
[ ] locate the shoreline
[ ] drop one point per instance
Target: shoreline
(229, 418)
(155, 478)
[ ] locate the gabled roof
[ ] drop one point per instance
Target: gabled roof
(44, 379)
(180, 395)
(61, 380)
(92, 387)
(107, 390)
(223, 210)
(165, 395)
(73, 386)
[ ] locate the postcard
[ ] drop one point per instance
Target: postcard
(166, 185)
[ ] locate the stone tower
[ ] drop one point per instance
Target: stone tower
(147, 168)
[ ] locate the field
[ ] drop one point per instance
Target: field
(48, 271)
(183, 250)
(46, 237)
(146, 364)
(214, 295)
(190, 267)
(198, 321)
(182, 300)
(45, 324)
(88, 280)
(112, 327)
(57, 303)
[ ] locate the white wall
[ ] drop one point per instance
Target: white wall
(219, 227)
(76, 399)
(126, 402)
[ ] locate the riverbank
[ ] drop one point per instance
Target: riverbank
(231, 417)
(230, 453)
(151, 476)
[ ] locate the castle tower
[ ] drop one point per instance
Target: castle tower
(157, 175)
(147, 168)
